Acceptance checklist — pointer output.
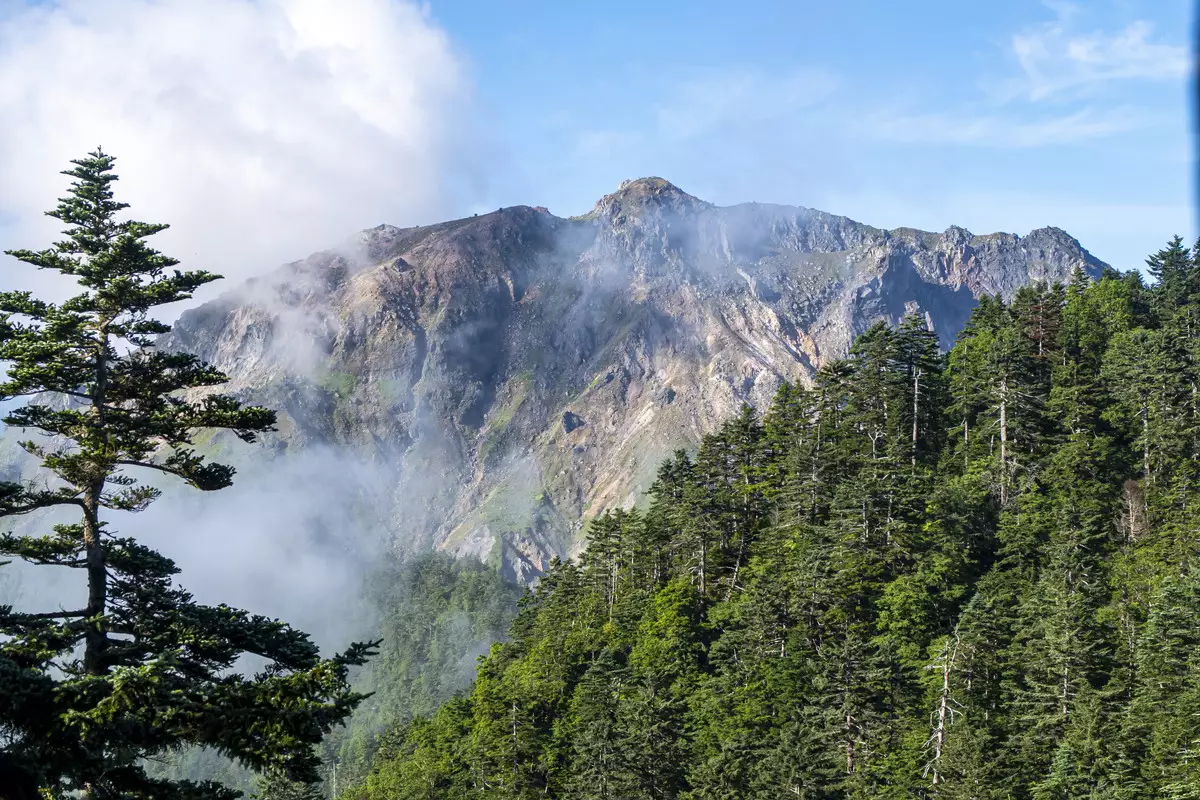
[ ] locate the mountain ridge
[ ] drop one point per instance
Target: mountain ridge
(513, 373)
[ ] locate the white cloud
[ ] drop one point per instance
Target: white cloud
(261, 130)
(1057, 59)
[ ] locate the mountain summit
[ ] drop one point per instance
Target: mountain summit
(508, 376)
(641, 194)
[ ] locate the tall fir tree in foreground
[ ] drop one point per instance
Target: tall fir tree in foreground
(138, 667)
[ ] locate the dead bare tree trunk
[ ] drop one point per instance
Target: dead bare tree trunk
(1003, 441)
(916, 410)
(943, 716)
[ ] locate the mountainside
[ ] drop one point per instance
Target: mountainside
(509, 375)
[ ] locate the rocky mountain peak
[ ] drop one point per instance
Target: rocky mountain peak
(641, 196)
(512, 374)
(652, 187)
(1054, 237)
(957, 236)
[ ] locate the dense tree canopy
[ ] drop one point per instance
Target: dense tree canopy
(970, 575)
(90, 689)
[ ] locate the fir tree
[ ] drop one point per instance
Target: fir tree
(1171, 268)
(139, 667)
(598, 769)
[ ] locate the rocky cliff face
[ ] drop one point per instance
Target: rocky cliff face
(510, 375)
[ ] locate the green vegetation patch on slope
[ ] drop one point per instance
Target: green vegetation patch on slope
(500, 416)
(437, 614)
(339, 384)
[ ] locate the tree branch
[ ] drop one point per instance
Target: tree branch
(39, 504)
(35, 392)
(54, 615)
(159, 467)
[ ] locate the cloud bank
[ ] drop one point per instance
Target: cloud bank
(261, 130)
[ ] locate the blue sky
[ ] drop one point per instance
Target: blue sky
(263, 130)
(1006, 115)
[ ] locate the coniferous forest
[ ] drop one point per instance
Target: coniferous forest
(962, 575)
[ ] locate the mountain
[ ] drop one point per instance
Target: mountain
(507, 376)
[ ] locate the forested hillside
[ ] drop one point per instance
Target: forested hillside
(434, 616)
(437, 615)
(959, 576)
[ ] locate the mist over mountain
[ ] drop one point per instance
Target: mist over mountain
(505, 377)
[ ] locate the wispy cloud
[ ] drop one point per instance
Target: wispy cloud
(739, 96)
(1058, 59)
(1078, 69)
(1001, 130)
(604, 143)
(716, 103)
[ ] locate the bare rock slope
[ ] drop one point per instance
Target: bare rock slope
(509, 375)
